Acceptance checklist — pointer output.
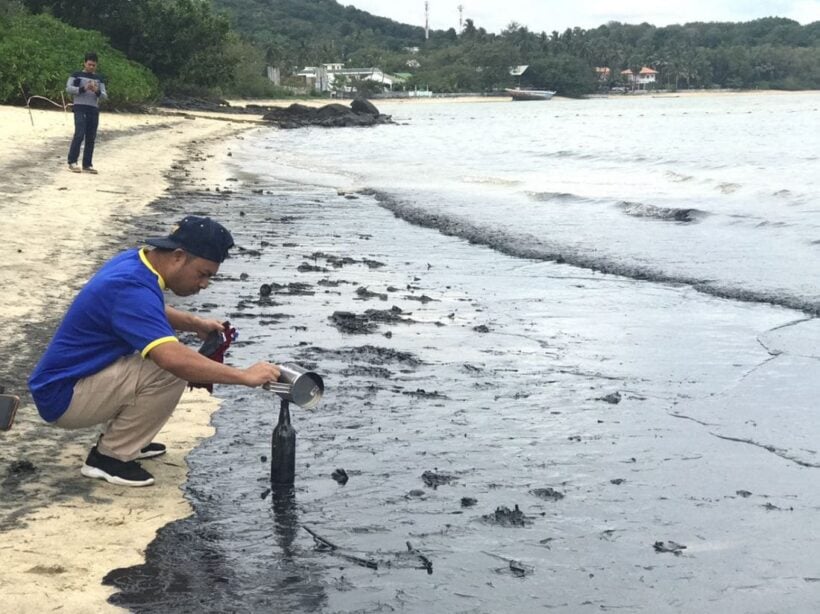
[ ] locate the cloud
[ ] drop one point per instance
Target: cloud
(548, 15)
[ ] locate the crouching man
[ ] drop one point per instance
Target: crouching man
(115, 359)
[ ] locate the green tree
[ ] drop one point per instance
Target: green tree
(38, 53)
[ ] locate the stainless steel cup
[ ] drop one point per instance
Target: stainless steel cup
(298, 385)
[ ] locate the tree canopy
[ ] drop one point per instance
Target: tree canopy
(224, 46)
(39, 52)
(765, 53)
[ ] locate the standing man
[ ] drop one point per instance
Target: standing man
(115, 359)
(87, 89)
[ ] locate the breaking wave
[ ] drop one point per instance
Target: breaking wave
(491, 180)
(565, 197)
(670, 214)
(537, 248)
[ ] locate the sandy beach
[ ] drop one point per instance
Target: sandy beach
(655, 437)
(61, 532)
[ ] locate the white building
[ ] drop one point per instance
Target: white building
(641, 79)
(327, 77)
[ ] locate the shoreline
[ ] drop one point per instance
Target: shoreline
(472, 98)
(502, 393)
(62, 532)
(621, 466)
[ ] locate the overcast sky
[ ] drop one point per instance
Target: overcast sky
(549, 15)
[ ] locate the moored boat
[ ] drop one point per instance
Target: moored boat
(519, 94)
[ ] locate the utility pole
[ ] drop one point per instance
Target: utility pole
(460, 17)
(426, 21)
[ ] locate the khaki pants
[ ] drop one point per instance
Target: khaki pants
(133, 397)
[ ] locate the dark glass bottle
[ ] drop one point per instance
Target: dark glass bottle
(283, 449)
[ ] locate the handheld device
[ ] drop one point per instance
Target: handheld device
(8, 408)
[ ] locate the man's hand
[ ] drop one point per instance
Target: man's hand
(261, 373)
(191, 366)
(91, 86)
(206, 327)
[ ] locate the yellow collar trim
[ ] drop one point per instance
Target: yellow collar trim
(151, 268)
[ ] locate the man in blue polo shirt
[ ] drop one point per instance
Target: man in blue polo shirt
(115, 359)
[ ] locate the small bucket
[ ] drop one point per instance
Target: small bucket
(298, 385)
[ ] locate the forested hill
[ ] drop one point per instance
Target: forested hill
(223, 47)
(297, 27)
(764, 53)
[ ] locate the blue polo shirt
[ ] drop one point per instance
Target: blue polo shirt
(120, 311)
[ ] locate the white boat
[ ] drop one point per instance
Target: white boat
(519, 94)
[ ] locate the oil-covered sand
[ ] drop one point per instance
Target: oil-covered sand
(517, 435)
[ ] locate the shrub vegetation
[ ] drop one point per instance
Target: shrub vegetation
(39, 52)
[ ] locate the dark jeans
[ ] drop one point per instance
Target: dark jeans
(86, 120)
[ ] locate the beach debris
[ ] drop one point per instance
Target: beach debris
(352, 323)
(548, 494)
(424, 299)
(425, 394)
(481, 328)
(515, 566)
(771, 507)
(21, 467)
(416, 492)
(370, 354)
(434, 480)
(743, 493)
(506, 517)
(310, 268)
(340, 475)
(388, 316)
(335, 261)
(264, 494)
(606, 534)
(468, 501)
(613, 398)
(669, 546)
(19, 471)
(294, 288)
(372, 264)
(368, 322)
(368, 371)
(324, 544)
(617, 481)
(265, 290)
(363, 294)
(426, 563)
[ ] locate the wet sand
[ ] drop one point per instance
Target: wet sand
(60, 532)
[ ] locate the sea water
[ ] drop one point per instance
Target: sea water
(611, 300)
(721, 192)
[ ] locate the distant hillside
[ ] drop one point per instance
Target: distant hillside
(311, 31)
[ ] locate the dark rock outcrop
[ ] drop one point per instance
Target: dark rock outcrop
(363, 106)
(360, 113)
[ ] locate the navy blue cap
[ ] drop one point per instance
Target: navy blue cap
(199, 236)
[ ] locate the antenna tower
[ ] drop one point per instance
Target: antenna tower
(460, 17)
(426, 21)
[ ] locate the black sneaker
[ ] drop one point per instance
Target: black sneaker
(152, 450)
(115, 471)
